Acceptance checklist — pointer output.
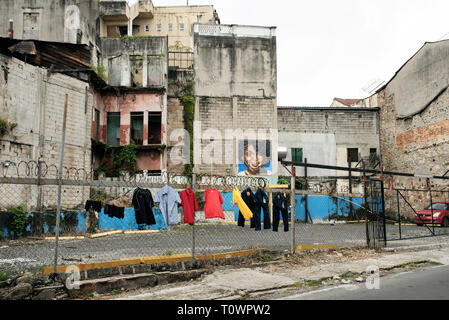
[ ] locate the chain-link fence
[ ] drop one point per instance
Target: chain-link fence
(110, 231)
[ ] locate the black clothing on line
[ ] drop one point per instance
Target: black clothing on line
(262, 204)
(114, 211)
(94, 205)
(251, 203)
(143, 204)
(280, 207)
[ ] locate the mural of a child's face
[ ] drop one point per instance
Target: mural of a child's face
(252, 160)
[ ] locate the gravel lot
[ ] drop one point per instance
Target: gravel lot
(23, 254)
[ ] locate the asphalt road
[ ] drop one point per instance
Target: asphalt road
(425, 284)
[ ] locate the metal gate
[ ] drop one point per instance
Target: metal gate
(376, 235)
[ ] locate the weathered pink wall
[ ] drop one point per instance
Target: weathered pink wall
(125, 104)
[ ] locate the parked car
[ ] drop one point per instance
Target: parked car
(440, 212)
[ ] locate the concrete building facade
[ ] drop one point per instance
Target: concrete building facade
(38, 116)
(118, 19)
(235, 76)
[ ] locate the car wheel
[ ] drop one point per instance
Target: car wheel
(445, 222)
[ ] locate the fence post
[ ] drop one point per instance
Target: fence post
(351, 208)
(293, 205)
(61, 158)
(431, 205)
(383, 212)
(399, 216)
(306, 197)
(193, 226)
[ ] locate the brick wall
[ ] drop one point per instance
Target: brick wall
(415, 145)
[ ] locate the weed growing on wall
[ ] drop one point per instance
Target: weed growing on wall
(101, 71)
(6, 127)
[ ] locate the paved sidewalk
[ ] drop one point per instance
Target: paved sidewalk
(238, 283)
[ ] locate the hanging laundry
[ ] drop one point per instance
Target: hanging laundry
(248, 198)
(94, 205)
(212, 204)
(245, 212)
(280, 207)
(189, 205)
(168, 200)
(262, 204)
(143, 205)
(114, 211)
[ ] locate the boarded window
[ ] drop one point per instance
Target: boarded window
(31, 26)
(97, 124)
(297, 155)
(155, 128)
(137, 127)
(353, 155)
(155, 77)
(136, 71)
(113, 32)
(114, 71)
(113, 138)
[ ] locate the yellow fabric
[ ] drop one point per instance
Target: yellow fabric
(237, 200)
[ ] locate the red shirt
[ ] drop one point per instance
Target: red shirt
(212, 204)
(189, 205)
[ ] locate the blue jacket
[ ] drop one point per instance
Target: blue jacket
(168, 199)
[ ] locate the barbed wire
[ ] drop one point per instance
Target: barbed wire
(40, 169)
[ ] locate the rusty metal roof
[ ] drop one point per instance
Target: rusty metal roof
(48, 54)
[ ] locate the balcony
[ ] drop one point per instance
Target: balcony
(180, 60)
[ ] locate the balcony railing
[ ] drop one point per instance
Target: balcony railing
(180, 60)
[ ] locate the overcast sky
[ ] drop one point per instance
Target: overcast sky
(334, 48)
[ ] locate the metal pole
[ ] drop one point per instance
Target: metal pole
(351, 208)
(306, 197)
(383, 211)
(399, 216)
(293, 205)
(193, 226)
(431, 205)
(61, 158)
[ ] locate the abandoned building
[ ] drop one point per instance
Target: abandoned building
(135, 75)
(331, 136)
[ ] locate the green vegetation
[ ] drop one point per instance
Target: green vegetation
(168, 253)
(101, 71)
(124, 159)
(313, 283)
(348, 275)
(115, 292)
(299, 185)
(98, 195)
(20, 220)
(188, 101)
(6, 127)
(4, 275)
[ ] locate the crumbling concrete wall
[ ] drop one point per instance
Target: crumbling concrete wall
(35, 100)
(119, 55)
(421, 80)
(72, 21)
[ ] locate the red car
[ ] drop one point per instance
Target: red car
(440, 212)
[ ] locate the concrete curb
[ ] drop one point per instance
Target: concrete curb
(421, 247)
